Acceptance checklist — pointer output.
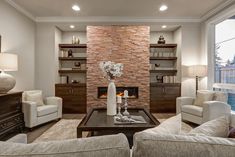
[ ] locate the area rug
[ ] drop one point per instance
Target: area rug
(64, 129)
(67, 129)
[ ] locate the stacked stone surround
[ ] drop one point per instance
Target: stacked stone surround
(121, 44)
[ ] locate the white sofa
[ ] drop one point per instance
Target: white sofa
(202, 113)
(100, 146)
(35, 114)
(172, 145)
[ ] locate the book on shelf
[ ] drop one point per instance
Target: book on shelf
(66, 69)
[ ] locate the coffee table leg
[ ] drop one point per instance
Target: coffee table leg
(79, 133)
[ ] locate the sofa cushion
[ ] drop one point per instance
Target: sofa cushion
(99, 146)
(231, 132)
(169, 126)
(192, 109)
(216, 128)
(170, 145)
(220, 96)
(202, 96)
(46, 109)
(35, 97)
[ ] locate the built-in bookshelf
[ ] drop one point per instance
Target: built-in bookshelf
(163, 63)
(72, 72)
(164, 87)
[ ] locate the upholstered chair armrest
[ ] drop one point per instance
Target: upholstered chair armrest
(55, 101)
(20, 138)
(30, 113)
(181, 101)
(215, 109)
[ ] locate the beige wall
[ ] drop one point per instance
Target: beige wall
(168, 36)
(190, 55)
(36, 56)
(67, 37)
(187, 37)
(18, 36)
(45, 66)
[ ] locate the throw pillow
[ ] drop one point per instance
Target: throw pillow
(215, 128)
(203, 96)
(169, 126)
(231, 133)
(221, 96)
(35, 97)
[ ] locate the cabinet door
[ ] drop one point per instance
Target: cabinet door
(157, 93)
(172, 90)
(11, 104)
(63, 91)
(74, 98)
(163, 98)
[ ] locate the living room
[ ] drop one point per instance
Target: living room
(133, 74)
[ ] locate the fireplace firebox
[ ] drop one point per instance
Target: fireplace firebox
(133, 92)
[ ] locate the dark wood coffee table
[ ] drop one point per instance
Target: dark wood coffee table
(98, 123)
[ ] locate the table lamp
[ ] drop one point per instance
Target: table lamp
(8, 62)
(197, 71)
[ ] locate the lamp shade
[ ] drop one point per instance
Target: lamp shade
(197, 70)
(8, 62)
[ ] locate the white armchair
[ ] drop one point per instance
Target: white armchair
(199, 114)
(38, 112)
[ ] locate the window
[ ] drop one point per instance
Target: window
(225, 58)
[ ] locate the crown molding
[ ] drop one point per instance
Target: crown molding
(217, 9)
(107, 19)
(20, 9)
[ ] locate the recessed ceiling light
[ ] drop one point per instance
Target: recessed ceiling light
(76, 8)
(72, 26)
(164, 26)
(163, 8)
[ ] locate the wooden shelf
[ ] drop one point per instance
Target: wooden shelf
(163, 58)
(71, 58)
(72, 45)
(70, 84)
(72, 71)
(153, 84)
(165, 71)
(163, 45)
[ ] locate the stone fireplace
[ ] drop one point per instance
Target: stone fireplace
(121, 44)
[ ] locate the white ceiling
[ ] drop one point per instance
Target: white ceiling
(119, 12)
(120, 8)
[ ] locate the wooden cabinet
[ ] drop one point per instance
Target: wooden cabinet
(74, 97)
(163, 97)
(11, 116)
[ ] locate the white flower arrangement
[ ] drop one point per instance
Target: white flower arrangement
(111, 70)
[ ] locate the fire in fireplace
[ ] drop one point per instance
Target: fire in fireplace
(132, 92)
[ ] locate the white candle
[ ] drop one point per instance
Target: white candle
(125, 93)
(119, 99)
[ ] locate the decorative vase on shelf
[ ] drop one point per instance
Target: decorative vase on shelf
(111, 99)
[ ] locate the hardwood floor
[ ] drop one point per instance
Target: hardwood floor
(39, 130)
